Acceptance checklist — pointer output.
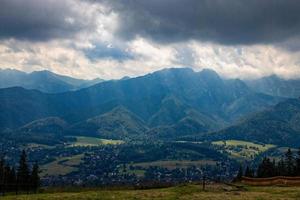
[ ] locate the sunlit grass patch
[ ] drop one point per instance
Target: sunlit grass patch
(93, 141)
(243, 149)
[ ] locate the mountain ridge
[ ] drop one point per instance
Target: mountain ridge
(202, 100)
(45, 81)
(276, 86)
(276, 125)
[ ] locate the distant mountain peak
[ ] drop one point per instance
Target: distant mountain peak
(125, 78)
(175, 70)
(276, 86)
(208, 70)
(11, 71)
(45, 81)
(209, 73)
(274, 76)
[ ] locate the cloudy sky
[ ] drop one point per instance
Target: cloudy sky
(115, 38)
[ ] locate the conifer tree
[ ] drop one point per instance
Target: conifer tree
(12, 180)
(6, 172)
(249, 172)
(290, 163)
(239, 174)
(34, 177)
(281, 169)
(266, 169)
(23, 173)
(298, 163)
(2, 174)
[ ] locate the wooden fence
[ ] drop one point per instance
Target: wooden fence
(277, 180)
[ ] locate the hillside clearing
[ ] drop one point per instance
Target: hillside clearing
(243, 149)
(93, 141)
(62, 166)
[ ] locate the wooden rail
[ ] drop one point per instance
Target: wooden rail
(277, 180)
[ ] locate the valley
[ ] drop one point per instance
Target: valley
(149, 99)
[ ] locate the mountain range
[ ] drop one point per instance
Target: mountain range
(166, 104)
(44, 81)
(276, 86)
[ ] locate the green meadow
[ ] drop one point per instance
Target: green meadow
(184, 192)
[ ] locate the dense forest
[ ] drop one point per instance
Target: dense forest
(287, 165)
(23, 179)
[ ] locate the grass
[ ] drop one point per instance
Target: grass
(185, 192)
(62, 166)
(93, 141)
(243, 149)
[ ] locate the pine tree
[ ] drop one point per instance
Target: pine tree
(266, 168)
(298, 163)
(239, 174)
(273, 171)
(2, 175)
(290, 163)
(12, 180)
(249, 172)
(23, 172)
(34, 177)
(281, 168)
(6, 177)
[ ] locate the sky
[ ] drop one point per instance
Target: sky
(111, 39)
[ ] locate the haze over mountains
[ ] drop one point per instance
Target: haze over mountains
(167, 104)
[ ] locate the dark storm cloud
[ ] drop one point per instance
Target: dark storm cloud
(39, 19)
(222, 21)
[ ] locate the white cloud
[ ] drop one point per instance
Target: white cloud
(66, 56)
(247, 62)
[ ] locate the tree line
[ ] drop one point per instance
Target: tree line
(288, 165)
(21, 179)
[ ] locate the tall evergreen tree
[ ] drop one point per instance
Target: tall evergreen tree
(266, 169)
(6, 172)
(34, 177)
(298, 163)
(23, 173)
(249, 172)
(290, 163)
(2, 175)
(281, 168)
(239, 174)
(12, 180)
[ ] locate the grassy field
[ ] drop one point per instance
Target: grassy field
(62, 166)
(93, 141)
(188, 192)
(243, 149)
